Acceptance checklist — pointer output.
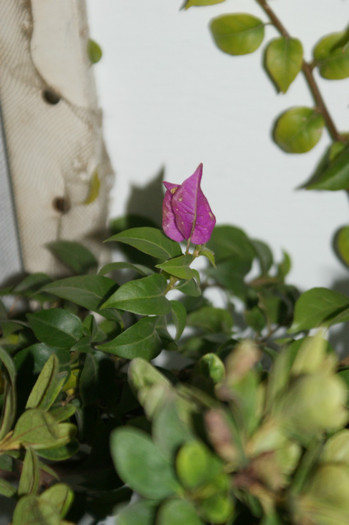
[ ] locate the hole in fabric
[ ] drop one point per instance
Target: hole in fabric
(50, 97)
(61, 204)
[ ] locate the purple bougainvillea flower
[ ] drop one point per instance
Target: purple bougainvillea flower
(186, 214)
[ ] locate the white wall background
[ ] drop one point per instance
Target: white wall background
(171, 99)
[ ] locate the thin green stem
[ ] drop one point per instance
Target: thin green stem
(307, 69)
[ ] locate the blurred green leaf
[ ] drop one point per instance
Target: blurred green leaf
(211, 319)
(299, 129)
(196, 465)
(150, 241)
(31, 284)
(319, 306)
(6, 489)
(284, 266)
(179, 317)
(89, 291)
(73, 255)
(180, 267)
(191, 3)
(211, 366)
(94, 187)
(284, 58)
(171, 425)
(31, 510)
(237, 34)
(139, 340)
(138, 268)
(331, 55)
(94, 51)
(56, 327)
(131, 448)
(332, 173)
(341, 244)
(140, 513)
(144, 296)
(176, 511)
(264, 255)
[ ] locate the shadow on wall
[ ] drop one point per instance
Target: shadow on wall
(147, 200)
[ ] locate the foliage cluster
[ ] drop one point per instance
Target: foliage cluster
(245, 425)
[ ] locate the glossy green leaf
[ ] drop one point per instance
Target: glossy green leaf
(237, 34)
(190, 288)
(332, 173)
(137, 268)
(94, 51)
(73, 255)
(30, 475)
(199, 3)
(319, 307)
(131, 448)
(180, 267)
(89, 291)
(177, 511)
(299, 129)
(60, 497)
(48, 385)
(144, 296)
(56, 327)
(331, 55)
(150, 241)
(140, 513)
(264, 255)
(341, 244)
(38, 429)
(30, 510)
(10, 397)
(211, 319)
(139, 340)
(284, 58)
(37, 355)
(179, 317)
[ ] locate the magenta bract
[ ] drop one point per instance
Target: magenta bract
(186, 214)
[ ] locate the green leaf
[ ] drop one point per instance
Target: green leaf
(30, 475)
(190, 288)
(177, 511)
(10, 398)
(31, 511)
(6, 489)
(211, 319)
(211, 366)
(191, 3)
(38, 429)
(89, 291)
(56, 327)
(284, 266)
(48, 385)
(144, 296)
(299, 129)
(284, 57)
(331, 55)
(94, 51)
(138, 268)
(61, 453)
(140, 340)
(237, 34)
(131, 448)
(150, 241)
(195, 465)
(332, 173)
(217, 508)
(73, 255)
(209, 254)
(319, 306)
(30, 285)
(179, 267)
(60, 497)
(179, 317)
(140, 513)
(37, 354)
(341, 244)
(171, 425)
(231, 243)
(264, 255)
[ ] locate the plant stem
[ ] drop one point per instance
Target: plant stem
(307, 70)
